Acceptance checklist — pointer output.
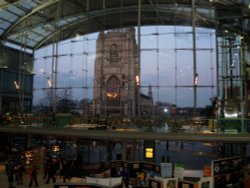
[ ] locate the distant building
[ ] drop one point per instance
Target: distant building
(117, 76)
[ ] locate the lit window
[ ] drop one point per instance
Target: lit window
(113, 92)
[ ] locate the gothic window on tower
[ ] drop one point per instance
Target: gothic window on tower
(113, 92)
(113, 53)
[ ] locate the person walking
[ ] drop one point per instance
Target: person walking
(11, 178)
(46, 167)
(33, 176)
(51, 173)
(66, 170)
(20, 173)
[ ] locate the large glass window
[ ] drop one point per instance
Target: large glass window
(113, 92)
(166, 63)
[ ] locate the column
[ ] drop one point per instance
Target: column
(29, 140)
(135, 151)
(124, 150)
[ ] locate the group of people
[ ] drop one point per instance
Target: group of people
(15, 172)
(57, 167)
(54, 167)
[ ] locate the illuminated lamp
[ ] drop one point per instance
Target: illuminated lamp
(137, 79)
(112, 95)
(55, 148)
(17, 86)
(149, 153)
(28, 154)
(49, 83)
(196, 80)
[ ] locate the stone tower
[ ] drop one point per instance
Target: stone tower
(116, 73)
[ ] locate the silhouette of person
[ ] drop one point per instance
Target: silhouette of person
(51, 173)
(33, 176)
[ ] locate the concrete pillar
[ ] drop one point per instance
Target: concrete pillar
(1, 110)
(109, 151)
(29, 140)
(135, 151)
(124, 150)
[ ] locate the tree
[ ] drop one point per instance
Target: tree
(210, 110)
(65, 103)
(45, 103)
(46, 99)
(84, 104)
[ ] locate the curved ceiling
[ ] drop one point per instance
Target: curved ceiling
(36, 23)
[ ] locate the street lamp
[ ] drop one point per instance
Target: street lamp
(196, 80)
(49, 83)
(17, 86)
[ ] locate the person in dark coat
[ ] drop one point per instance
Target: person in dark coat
(46, 167)
(51, 173)
(20, 173)
(11, 178)
(33, 177)
(66, 170)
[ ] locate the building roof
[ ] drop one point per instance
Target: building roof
(36, 23)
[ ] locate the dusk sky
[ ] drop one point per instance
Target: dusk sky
(163, 48)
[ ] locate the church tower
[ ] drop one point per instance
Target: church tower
(116, 74)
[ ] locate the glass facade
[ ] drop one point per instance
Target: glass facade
(16, 75)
